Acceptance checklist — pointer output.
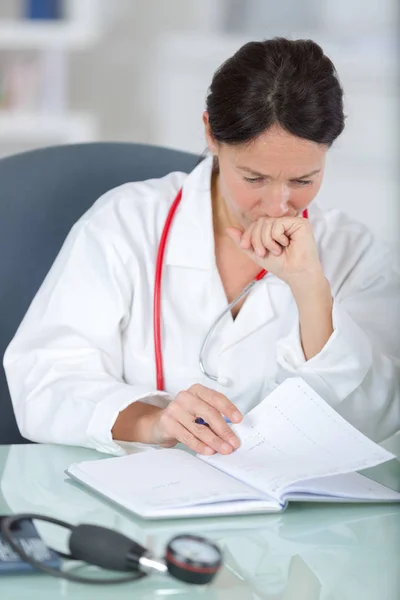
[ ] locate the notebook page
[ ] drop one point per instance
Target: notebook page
(158, 480)
(346, 485)
(295, 435)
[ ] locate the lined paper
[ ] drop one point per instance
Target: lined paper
(158, 480)
(294, 435)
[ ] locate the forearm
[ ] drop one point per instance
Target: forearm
(134, 423)
(314, 303)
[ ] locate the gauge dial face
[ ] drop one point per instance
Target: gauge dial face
(195, 550)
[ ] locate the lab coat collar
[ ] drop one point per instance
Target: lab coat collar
(191, 238)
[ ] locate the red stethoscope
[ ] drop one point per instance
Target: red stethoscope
(157, 303)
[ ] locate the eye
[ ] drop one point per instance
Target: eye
(253, 179)
(302, 182)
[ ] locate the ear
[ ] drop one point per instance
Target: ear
(211, 143)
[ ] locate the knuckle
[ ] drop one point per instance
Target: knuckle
(173, 409)
(172, 412)
(182, 398)
(196, 387)
(217, 400)
(222, 397)
(226, 431)
(191, 441)
(215, 442)
(210, 414)
(276, 233)
(224, 400)
(200, 430)
(187, 437)
(178, 397)
(231, 408)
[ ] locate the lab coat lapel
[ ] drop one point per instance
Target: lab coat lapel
(191, 245)
(255, 313)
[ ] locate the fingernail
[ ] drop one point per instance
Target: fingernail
(236, 417)
(234, 442)
(226, 447)
(260, 252)
(208, 450)
(276, 252)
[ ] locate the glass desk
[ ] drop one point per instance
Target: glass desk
(309, 552)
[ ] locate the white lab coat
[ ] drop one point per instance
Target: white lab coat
(84, 350)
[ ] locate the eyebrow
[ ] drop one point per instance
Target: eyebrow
(257, 174)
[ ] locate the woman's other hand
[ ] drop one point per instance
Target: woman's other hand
(176, 423)
(148, 424)
(284, 246)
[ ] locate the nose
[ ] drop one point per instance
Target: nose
(276, 200)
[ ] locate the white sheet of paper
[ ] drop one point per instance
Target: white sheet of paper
(294, 435)
(161, 479)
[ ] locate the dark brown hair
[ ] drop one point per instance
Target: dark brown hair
(290, 83)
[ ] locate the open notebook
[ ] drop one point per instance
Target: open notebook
(294, 446)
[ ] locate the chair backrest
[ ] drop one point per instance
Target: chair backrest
(43, 192)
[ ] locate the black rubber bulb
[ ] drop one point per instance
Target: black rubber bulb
(105, 548)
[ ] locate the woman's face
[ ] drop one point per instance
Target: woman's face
(276, 175)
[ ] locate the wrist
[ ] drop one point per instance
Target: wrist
(314, 301)
(136, 423)
(146, 427)
(309, 283)
(313, 297)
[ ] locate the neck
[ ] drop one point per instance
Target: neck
(222, 216)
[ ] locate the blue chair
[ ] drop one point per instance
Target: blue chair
(43, 193)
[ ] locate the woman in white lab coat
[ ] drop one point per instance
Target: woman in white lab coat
(81, 368)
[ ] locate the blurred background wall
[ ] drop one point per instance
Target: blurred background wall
(138, 70)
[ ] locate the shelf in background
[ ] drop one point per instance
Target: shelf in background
(68, 127)
(25, 34)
